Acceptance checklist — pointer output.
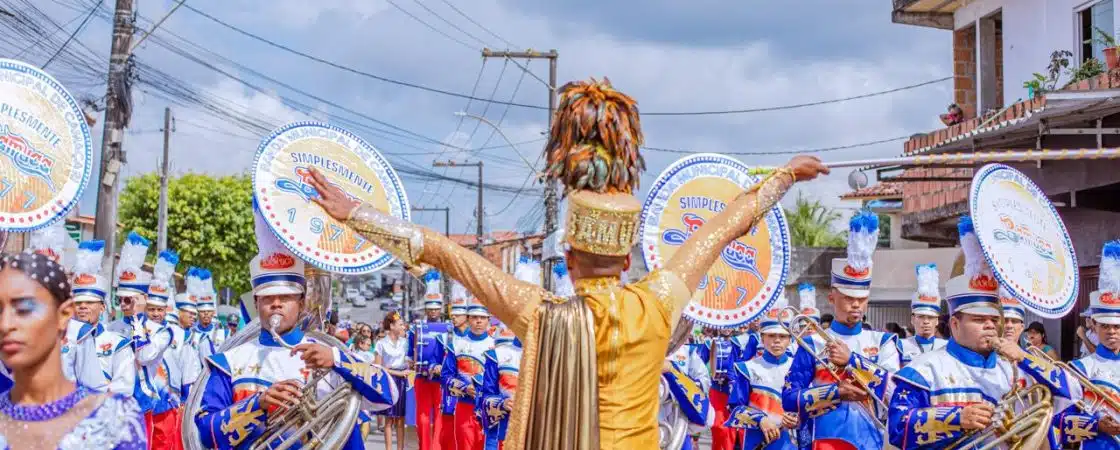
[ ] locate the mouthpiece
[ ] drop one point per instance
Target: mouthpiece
(274, 321)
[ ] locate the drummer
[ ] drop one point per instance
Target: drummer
(948, 393)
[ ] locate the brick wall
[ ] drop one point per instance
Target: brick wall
(926, 195)
(964, 69)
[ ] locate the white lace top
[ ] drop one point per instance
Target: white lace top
(116, 424)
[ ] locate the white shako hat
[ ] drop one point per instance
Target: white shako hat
(976, 291)
(132, 280)
(807, 294)
(852, 275)
(275, 270)
(162, 287)
(776, 316)
(433, 297)
(927, 297)
(1104, 303)
(188, 300)
(204, 297)
(89, 285)
(50, 241)
(1012, 309)
(460, 298)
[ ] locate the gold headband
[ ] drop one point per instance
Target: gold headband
(602, 224)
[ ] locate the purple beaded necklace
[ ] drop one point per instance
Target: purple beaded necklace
(44, 412)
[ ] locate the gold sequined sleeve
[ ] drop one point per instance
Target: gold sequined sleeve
(700, 251)
(510, 300)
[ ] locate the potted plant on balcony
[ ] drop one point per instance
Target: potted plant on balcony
(1111, 58)
(1036, 85)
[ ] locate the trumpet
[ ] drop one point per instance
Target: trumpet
(799, 328)
(1103, 404)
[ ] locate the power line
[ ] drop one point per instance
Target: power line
(523, 105)
(75, 33)
(426, 24)
(448, 22)
(487, 30)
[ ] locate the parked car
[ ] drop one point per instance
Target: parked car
(351, 294)
(358, 302)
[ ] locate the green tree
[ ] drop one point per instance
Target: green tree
(810, 224)
(209, 222)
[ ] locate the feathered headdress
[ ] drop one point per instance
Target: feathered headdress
(165, 266)
(976, 267)
(807, 295)
(528, 270)
(88, 259)
(562, 283)
(1110, 268)
(928, 281)
(595, 139)
(433, 295)
(863, 236)
(50, 241)
(133, 252)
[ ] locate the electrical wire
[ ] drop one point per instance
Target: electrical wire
(75, 33)
(469, 19)
(787, 152)
(448, 22)
(430, 27)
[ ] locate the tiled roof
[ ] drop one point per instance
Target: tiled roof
(877, 191)
(1014, 114)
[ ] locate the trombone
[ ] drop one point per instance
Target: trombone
(1104, 403)
(799, 327)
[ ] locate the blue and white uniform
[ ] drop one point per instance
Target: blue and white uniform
(499, 384)
(812, 391)
(931, 392)
(926, 302)
(756, 390)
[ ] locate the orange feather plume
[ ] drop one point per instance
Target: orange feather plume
(595, 139)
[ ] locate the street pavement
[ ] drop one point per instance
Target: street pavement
(376, 441)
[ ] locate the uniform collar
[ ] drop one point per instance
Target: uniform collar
(474, 337)
(130, 319)
(293, 337)
(775, 359)
(845, 330)
(971, 358)
(925, 341)
(1105, 353)
(588, 286)
(459, 332)
(97, 330)
(203, 329)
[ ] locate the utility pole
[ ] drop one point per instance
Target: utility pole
(479, 213)
(112, 155)
(551, 204)
(162, 240)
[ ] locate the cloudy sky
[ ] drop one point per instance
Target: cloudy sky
(708, 55)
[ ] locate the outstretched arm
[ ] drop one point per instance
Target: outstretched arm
(509, 299)
(700, 251)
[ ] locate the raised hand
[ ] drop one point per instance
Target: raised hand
(331, 198)
(806, 168)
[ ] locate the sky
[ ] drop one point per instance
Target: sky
(670, 56)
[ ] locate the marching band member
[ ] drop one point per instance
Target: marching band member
(925, 311)
(161, 376)
(722, 354)
(947, 394)
(183, 341)
(465, 367)
(426, 349)
(756, 389)
(500, 371)
(499, 385)
(689, 382)
(839, 413)
(1014, 316)
(459, 301)
(43, 409)
(252, 381)
(1094, 422)
(207, 306)
(79, 352)
(132, 289)
(90, 289)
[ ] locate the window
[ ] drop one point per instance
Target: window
(1097, 16)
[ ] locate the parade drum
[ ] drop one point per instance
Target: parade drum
(45, 148)
(280, 184)
(1024, 240)
(750, 272)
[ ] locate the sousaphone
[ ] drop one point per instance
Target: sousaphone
(280, 188)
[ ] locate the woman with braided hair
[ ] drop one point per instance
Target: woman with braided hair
(592, 363)
(44, 409)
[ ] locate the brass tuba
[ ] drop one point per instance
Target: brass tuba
(318, 423)
(672, 427)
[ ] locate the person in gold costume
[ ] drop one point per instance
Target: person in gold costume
(591, 363)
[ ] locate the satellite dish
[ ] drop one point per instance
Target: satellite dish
(857, 180)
